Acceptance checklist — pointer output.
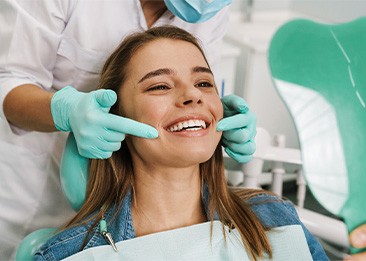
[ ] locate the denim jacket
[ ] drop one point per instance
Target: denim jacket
(272, 212)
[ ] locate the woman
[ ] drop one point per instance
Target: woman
(163, 79)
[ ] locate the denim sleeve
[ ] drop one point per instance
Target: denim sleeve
(41, 257)
(274, 212)
(67, 243)
(315, 247)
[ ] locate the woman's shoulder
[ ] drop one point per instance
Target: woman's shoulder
(67, 243)
(75, 239)
(273, 211)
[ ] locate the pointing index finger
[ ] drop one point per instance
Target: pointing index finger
(129, 126)
(235, 122)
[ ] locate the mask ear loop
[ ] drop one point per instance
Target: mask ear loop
(107, 236)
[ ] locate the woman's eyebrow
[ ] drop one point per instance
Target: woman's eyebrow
(157, 72)
(167, 71)
(199, 69)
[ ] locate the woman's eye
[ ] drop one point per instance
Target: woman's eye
(158, 88)
(204, 84)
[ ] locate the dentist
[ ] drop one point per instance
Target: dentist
(51, 54)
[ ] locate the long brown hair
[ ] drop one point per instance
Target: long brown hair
(111, 179)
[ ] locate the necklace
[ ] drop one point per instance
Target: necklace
(107, 236)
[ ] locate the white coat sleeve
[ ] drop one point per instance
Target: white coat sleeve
(30, 35)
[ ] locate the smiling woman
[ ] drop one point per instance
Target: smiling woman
(149, 186)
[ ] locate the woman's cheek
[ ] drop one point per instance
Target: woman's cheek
(218, 108)
(150, 112)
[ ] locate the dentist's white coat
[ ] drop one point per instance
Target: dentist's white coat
(55, 43)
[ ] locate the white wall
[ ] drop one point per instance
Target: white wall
(246, 7)
(330, 10)
(266, 5)
(259, 5)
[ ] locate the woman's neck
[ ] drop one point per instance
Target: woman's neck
(153, 10)
(166, 199)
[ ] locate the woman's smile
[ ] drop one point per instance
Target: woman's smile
(193, 125)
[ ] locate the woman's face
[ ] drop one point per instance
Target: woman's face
(170, 87)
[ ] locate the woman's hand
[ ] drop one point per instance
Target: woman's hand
(358, 240)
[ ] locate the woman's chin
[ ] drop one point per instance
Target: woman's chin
(190, 158)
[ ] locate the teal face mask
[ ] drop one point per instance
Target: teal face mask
(196, 11)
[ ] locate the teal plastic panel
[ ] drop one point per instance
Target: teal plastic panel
(319, 70)
(74, 174)
(31, 243)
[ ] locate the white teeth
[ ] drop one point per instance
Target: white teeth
(189, 125)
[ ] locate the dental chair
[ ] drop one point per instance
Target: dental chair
(74, 171)
(319, 71)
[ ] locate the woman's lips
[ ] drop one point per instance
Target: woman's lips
(190, 133)
(189, 125)
(188, 117)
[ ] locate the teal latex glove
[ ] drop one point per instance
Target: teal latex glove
(239, 129)
(97, 132)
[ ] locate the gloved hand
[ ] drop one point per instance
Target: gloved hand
(97, 132)
(239, 129)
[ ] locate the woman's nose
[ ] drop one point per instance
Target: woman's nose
(190, 95)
